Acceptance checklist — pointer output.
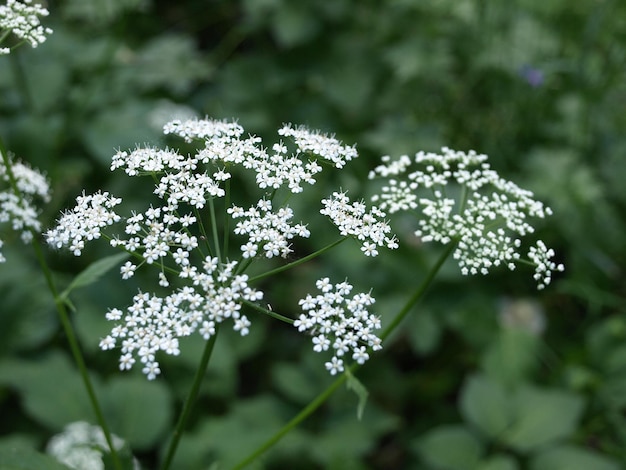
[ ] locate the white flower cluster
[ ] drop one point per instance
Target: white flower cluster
(463, 200)
(83, 446)
(336, 320)
(270, 230)
(171, 235)
(202, 129)
(154, 323)
(326, 147)
(353, 220)
(21, 211)
(84, 222)
(274, 169)
(22, 19)
(542, 256)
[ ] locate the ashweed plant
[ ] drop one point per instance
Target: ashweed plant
(206, 247)
(179, 237)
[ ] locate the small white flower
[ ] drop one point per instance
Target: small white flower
(340, 323)
(334, 366)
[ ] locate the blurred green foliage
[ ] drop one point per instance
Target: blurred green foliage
(487, 374)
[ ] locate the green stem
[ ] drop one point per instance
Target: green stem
(419, 292)
(216, 238)
(189, 402)
(65, 321)
(322, 397)
(298, 261)
(268, 312)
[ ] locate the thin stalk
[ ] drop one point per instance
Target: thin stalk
(189, 402)
(419, 292)
(323, 396)
(216, 238)
(226, 217)
(298, 261)
(268, 312)
(65, 321)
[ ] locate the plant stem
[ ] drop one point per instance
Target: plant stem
(64, 318)
(216, 239)
(298, 261)
(189, 402)
(323, 396)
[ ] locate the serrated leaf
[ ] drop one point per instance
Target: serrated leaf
(357, 387)
(94, 272)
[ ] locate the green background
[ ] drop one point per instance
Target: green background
(538, 86)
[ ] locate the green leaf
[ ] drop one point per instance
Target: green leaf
(451, 447)
(295, 381)
(94, 272)
(542, 416)
(51, 389)
(498, 462)
(486, 404)
(424, 332)
(138, 410)
(571, 458)
(511, 356)
(355, 385)
(22, 458)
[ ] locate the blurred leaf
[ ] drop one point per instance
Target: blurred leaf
(498, 462)
(424, 332)
(511, 356)
(19, 458)
(168, 61)
(121, 127)
(100, 11)
(346, 439)
(231, 437)
(571, 458)
(139, 411)
(27, 316)
(293, 23)
(542, 416)
(450, 447)
(357, 387)
(486, 404)
(94, 272)
(295, 381)
(51, 389)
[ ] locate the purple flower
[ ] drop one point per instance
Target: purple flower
(534, 77)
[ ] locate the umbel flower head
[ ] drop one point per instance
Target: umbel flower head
(21, 18)
(462, 200)
(178, 233)
(339, 322)
(20, 211)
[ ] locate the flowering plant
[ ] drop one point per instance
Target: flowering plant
(209, 245)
